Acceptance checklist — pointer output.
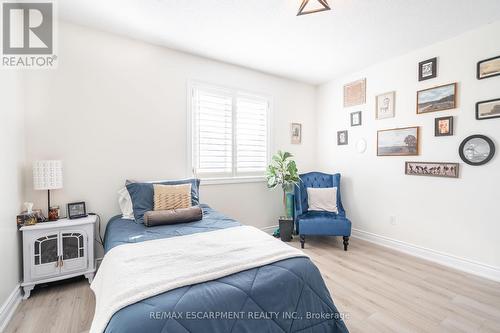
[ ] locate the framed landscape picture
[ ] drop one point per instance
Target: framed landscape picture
(398, 142)
(488, 68)
(427, 69)
(385, 105)
(342, 138)
(437, 98)
(488, 109)
(355, 93)
(443, 126)
(433, 169)
(356, 119)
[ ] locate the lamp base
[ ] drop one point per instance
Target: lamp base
(52, 212)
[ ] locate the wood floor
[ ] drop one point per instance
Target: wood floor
(377, 289)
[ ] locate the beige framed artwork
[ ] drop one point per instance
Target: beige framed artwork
(355, 93)
(385, 105)
(296, 133)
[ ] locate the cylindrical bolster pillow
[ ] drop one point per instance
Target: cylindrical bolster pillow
(182, 215)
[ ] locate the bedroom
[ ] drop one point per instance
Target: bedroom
(126, 93)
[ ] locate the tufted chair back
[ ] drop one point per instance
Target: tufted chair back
(316, 180)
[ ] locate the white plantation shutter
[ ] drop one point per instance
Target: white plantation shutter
(251, 134)
(230, 133)
(213, 132)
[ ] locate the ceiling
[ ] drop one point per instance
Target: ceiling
(266, 35)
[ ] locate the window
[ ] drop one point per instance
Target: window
(230, 133)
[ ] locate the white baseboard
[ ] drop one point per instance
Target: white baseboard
(465, 265)
(9, 307)
(269, 230)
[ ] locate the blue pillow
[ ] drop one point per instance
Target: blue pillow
(142, 195)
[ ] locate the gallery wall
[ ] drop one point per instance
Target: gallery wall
(116, 109)
(11, 191)
(457, 217)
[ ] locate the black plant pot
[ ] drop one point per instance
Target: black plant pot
(286, 229)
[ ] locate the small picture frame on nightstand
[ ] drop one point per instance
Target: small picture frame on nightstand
(77, 210)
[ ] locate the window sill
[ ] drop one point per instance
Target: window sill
(232, 180)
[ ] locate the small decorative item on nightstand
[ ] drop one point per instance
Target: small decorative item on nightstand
(57, 251)
(54, 213)
(26, 219)
(77, 210)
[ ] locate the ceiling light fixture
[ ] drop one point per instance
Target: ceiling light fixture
(304, 11)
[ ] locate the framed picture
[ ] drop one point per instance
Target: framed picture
(398, 142)
(355, 93)
(356, 119)
(443, 126)
(488, 109)
(427, 69)
(477, 150)
(488, 68)
(77, 210)
(437, 98)
(434, 169)
(385, 105)
(342, 138)
(296, 133)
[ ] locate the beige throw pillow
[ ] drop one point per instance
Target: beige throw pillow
(322, 199)
(172, 196)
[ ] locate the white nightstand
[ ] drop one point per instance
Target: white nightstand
(58, 250)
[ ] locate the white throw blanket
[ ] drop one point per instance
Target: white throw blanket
(133, 272)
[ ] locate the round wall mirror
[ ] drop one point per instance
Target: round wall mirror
(477, 150)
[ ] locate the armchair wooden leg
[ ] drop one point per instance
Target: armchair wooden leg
(346, 242)
(302, 240)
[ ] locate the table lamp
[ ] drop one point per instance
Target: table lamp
(47, 175)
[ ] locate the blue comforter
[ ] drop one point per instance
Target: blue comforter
(286, 296)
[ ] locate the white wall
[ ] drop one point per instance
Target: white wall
(11, 196)
(455, 216)
(116, 108)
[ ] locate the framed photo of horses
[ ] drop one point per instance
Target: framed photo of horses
(432, 169)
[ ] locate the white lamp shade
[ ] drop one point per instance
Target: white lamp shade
(47, 175)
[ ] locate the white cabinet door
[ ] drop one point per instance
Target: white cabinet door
(74, 246)
(44, 253)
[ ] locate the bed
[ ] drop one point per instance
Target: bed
(285, 296)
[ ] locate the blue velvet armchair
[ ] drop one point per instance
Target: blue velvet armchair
(319, 222)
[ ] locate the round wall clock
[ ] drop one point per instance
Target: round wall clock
(477, 150)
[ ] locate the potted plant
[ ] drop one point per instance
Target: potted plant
(283, 172)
